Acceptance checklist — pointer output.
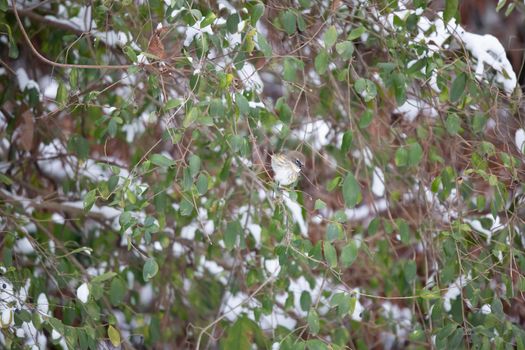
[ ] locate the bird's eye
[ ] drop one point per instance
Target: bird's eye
(298, 163)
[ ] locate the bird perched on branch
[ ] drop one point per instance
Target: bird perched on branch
(287, 167)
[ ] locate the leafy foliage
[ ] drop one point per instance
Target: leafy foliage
(137, 201)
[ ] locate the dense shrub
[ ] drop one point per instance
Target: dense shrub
(138, 206)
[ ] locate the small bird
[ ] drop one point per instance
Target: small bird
(287, 167)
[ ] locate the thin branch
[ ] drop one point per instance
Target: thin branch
(55, 207)
(49, 22)
(250, 297)
(6, 66)
(57, 64)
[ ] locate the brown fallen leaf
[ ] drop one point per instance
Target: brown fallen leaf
(27, 130)
(155, 45)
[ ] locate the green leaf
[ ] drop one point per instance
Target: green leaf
(24, 315)
(195, 165)
(343, 301)
(202, 184)
(161, 160)
(257, 13)
(186, 207)
(321, 62)
(125, 219)
(264, 46)
(349, 254)
(351, 191)
(288, 21)
(187, 180)
(305, 300)
(340, 216)
(56, 324)
(13, 47)
(345, 49)
(337, 299)
(196, 14)
(332, 184)
(501, 4)
(242, 103)
(451, 8)
(96, 291)
(291, 65)
(113, 182)
(366, 89)
(313, 322)
(347, 141)
(131, 54)
(3, 5)
(356, 33)
(305, 3)
(417, 66)
(497, 307)
(398, 83)
(409, 155)
(112, 127)
(401, 157)
(79, 145)
(521, 284)
(301, 24)
(456, 341)
(415, 154)
(232, 23)
(5, 180)
(233, 230)
(319, 204)
(62, 94)
(242, 335)
(90, 199)
(334, 231)
(238, 142)
(410, 271)
(453, 124)
(458, 87)
(478, 123)
(351, 305)
(172, 103)
(330, 37)
(114, 336)
(104, 277)
(208, 20)
(117, 291)
(366, 119)
(316, 344)
(150, 269)
(330, 254)
(191, 117)
(404, 231)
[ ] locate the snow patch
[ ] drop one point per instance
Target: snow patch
(519, 139)
(251, 78)
(455, 290)
(24, 83)
(195, 32)
(412, 108)
(486, 309)
(43, 304)
(488, 51)
(378, 182)
(297, 214)
(83, 293)
(476, 225)
(272, 266)
(316, 133)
